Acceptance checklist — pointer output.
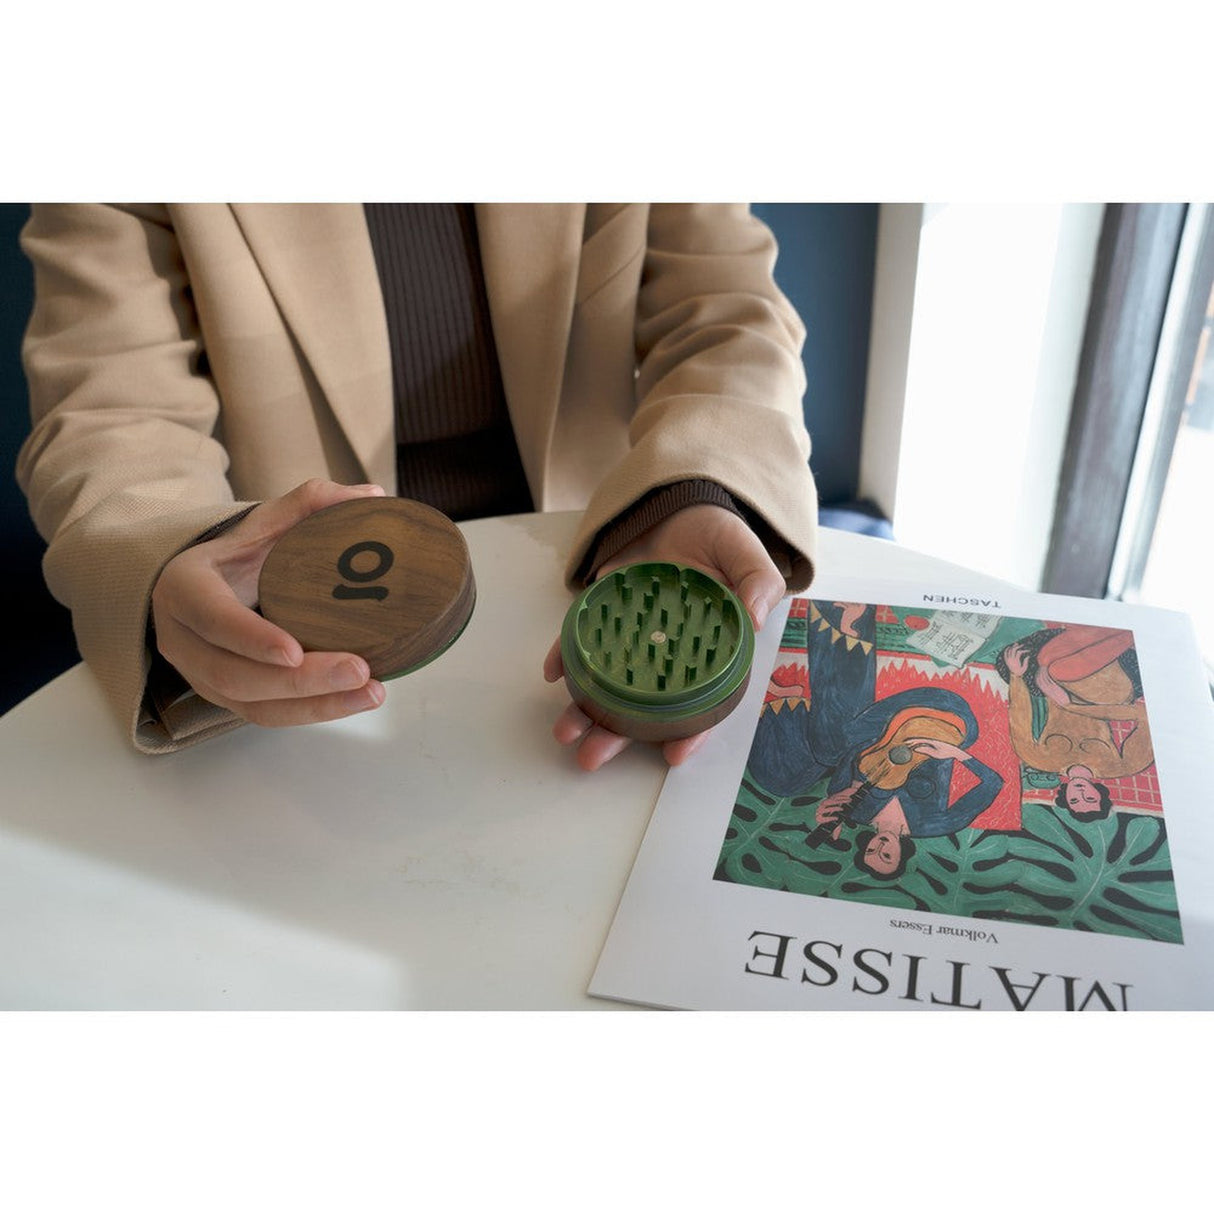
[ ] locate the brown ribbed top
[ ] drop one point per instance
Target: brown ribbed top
(456, 449)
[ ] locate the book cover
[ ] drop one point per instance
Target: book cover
(938, 800)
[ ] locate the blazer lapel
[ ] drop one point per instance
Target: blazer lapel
(318, 262)
(530, 255)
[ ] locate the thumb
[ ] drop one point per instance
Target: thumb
(760, 591)
(751, 571)
(278, 515)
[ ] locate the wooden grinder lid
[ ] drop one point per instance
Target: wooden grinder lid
(383, 577)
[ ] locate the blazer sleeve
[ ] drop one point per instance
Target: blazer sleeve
(719, 381)
(121, 468)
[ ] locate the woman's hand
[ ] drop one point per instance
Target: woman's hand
(202, 611)
(1016, 659)
(830, 811)
(934, 748)
(713, 540)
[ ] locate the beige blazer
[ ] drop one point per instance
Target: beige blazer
(187, 358)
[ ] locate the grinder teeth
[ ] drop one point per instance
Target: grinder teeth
(657, 630)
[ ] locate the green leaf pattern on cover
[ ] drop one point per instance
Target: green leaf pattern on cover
(1112, 876)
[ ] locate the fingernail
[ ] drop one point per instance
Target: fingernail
(286, 657)
(366, 698)
(348, 675)
(759, 611)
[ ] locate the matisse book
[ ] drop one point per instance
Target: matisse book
(938, 800)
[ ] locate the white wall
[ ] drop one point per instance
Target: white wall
(897, 259)
(979, 313)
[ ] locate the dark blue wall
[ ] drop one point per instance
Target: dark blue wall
(826, 266)
(38, 634)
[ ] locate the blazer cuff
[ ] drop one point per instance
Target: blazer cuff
(166, 692)
(658, 505)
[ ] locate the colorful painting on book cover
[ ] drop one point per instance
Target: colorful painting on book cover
(959, 763)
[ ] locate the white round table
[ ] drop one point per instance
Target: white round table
(442, 852)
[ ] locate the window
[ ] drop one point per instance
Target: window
(1163, 548)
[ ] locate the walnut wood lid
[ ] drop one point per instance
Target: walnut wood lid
(383, 577)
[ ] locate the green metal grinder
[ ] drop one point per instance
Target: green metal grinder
(657, 651)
